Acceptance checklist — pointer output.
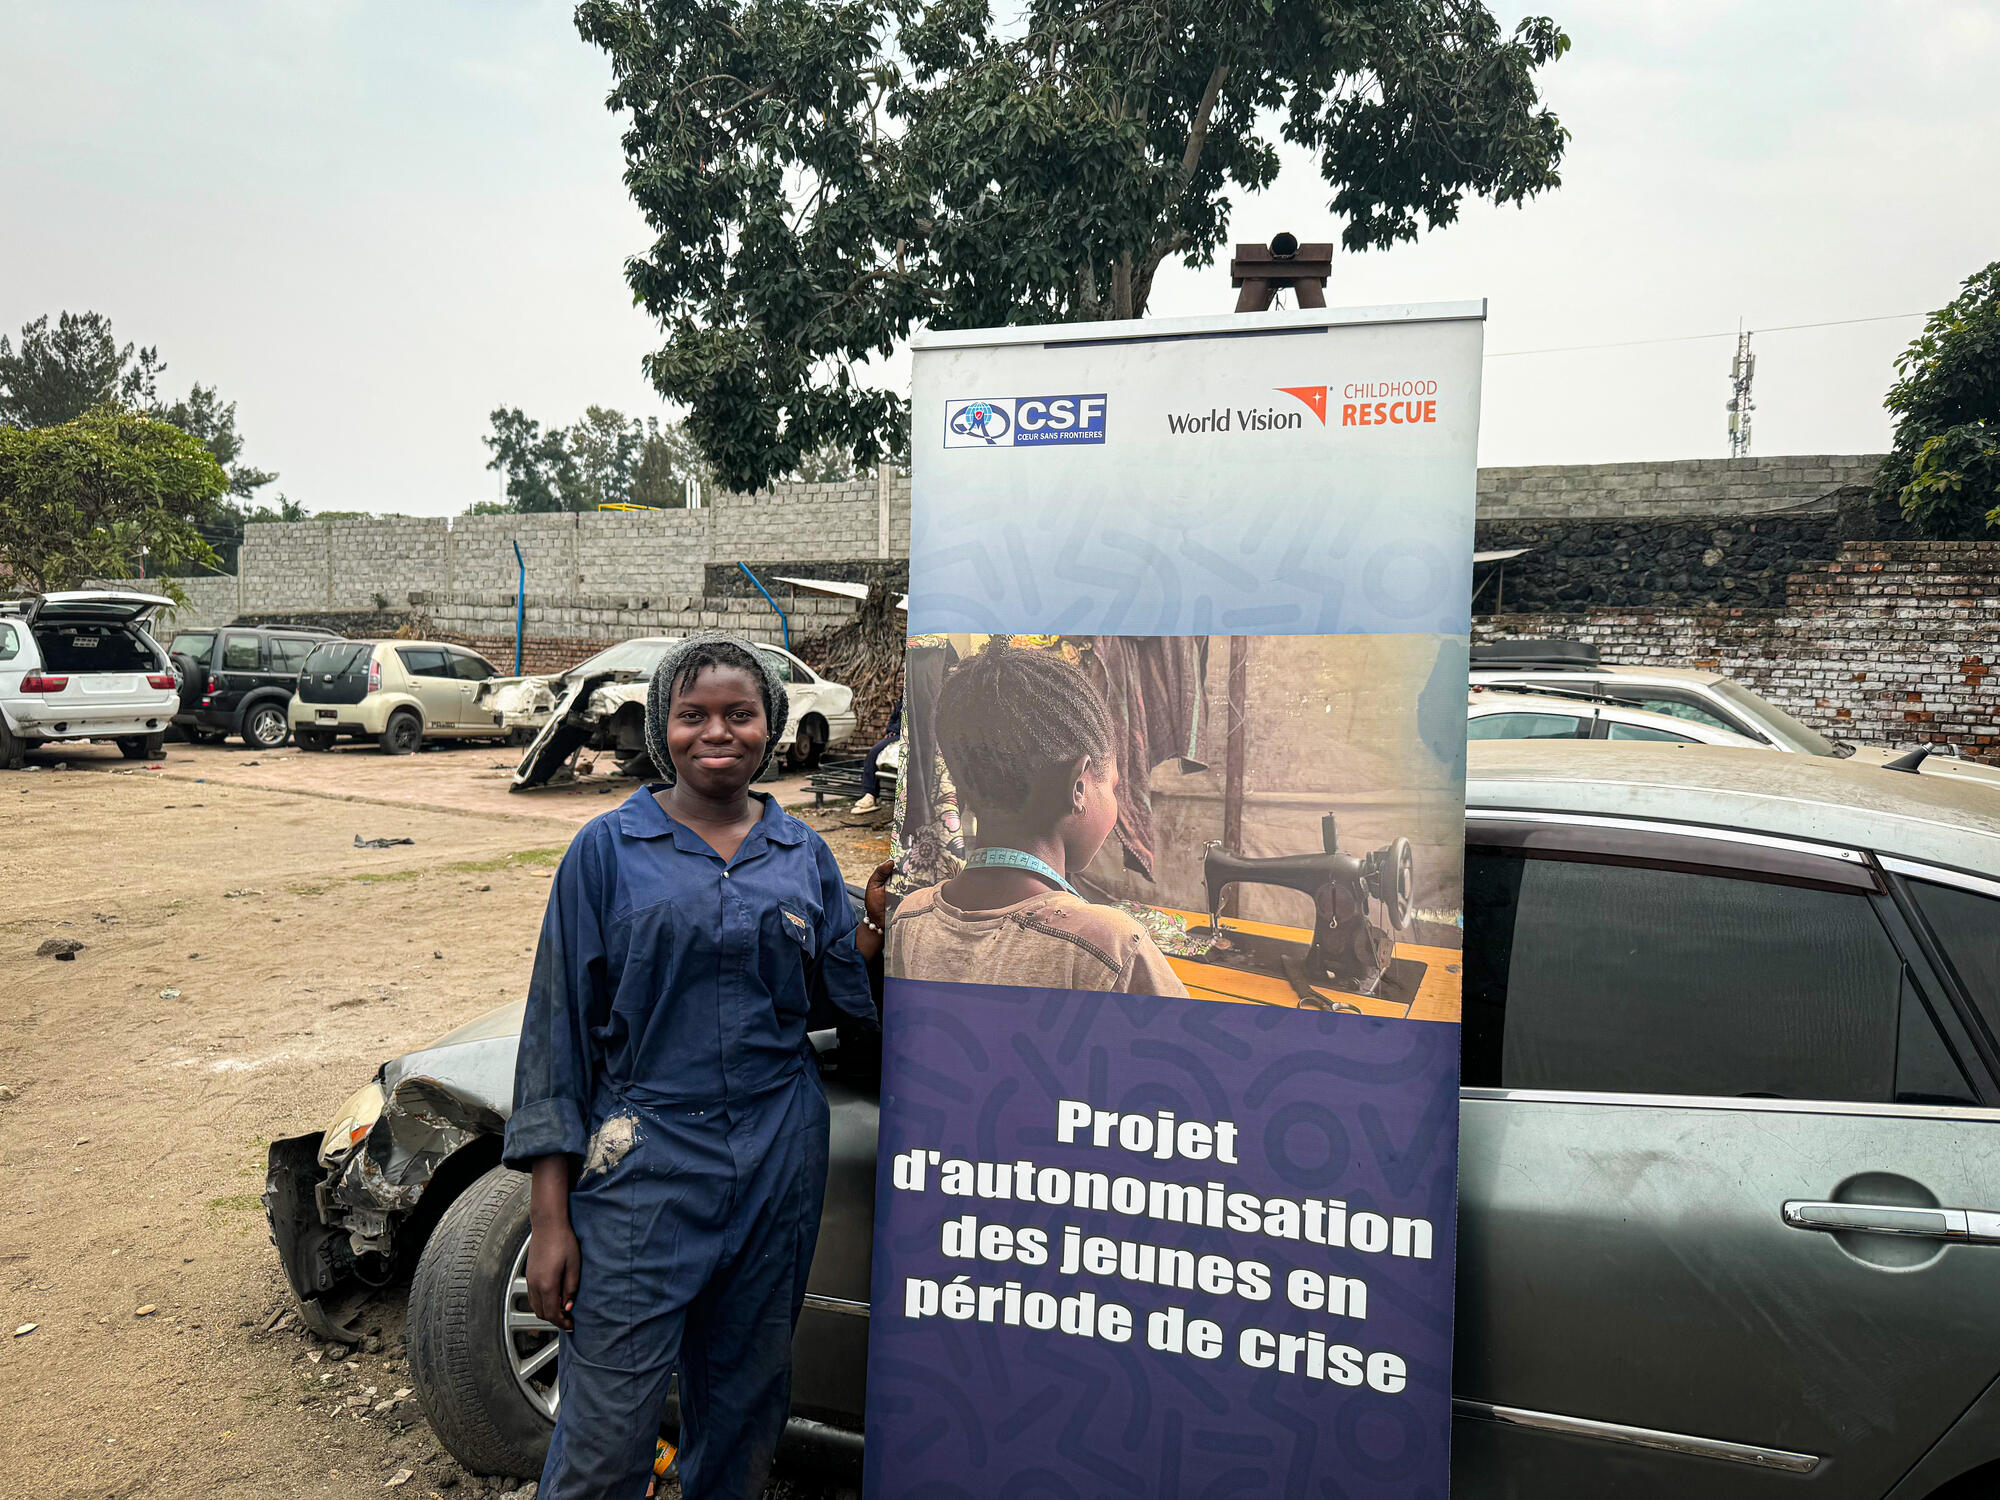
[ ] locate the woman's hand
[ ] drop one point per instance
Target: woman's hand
(875, 903)
(555, 1261)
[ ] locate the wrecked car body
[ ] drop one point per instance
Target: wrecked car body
(600, 704)
(344, 1203)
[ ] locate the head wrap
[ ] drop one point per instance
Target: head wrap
(711, 648)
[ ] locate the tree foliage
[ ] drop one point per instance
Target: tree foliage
(823, 176)
(89, 496)
(57, 374)
(604, 458)
(1944, 467)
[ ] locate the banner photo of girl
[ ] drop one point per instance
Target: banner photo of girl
(1262, 820)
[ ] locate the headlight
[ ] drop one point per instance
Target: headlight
(356, 1118)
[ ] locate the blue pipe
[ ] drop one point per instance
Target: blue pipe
(520, 605)
(783, 624)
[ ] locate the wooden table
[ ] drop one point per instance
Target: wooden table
(1437, 997)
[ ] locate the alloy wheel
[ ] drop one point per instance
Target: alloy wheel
(531, 1342)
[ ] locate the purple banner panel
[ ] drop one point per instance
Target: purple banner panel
(1128, 1245)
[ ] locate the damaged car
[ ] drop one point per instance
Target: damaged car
(600, 704)
(1801, 1060)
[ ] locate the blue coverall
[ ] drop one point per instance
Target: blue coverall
(665, 1044)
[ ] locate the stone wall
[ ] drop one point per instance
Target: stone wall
(1679, 489)
(1584, 564)
(1892, 643)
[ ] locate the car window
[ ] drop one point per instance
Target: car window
(641, 656)
(195, 645)
(469, 668)
(339, 657)
(423, 661)
(1618, 731)
(1967, 925)
(239, 653)
(780, 666)
(10, 643)
(1675, 706)
(1524, 727)
(1627, 979)
(289, 652)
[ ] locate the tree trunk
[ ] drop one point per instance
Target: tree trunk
(1121, 287)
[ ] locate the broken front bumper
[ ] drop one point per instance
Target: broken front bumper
(344, 1209)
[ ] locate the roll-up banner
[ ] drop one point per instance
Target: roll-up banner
(1167, 1179)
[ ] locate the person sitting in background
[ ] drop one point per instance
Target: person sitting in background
(871, 773)
(1032, 748)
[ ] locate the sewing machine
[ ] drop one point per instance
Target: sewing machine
(1349, 951)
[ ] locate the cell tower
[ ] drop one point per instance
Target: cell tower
(1741, 370)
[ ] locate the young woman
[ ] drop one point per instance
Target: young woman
(666, 1100)
(1032, 749)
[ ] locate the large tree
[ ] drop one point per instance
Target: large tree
(604, 458)
(91, 496)
(1944, 468)
(823, 176)
(57, 374)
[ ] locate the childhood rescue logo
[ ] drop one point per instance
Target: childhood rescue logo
(1385, 403)
(1023, 421)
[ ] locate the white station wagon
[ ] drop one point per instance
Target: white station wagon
(79, 665)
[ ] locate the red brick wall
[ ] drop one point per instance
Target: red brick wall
(1895, 643)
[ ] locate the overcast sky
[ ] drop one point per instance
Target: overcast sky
(371, 223)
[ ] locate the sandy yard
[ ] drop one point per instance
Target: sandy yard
(244, 969)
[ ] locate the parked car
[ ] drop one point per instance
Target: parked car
(1730, 1157)
(240, 681)
(396, 693)
(1571, 669)
(1499, 715)
(79, 665)
(600, 704)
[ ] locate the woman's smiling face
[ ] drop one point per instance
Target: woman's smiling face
(717, 731)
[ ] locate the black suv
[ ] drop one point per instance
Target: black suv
(239, 680)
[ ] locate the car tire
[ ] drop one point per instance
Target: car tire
(12, 750)
(313, 741)
(457, 1328)
(808, 745)
(402, 734)
(264, 726)
(143, 746)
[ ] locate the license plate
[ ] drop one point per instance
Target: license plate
(328, 713)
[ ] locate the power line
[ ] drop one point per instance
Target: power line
(1689, 338)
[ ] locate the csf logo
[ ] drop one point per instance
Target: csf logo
(1023, 421)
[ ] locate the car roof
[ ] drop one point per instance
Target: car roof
(1936, 818)
(1557, 674)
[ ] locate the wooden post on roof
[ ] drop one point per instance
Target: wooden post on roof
(1260, 270)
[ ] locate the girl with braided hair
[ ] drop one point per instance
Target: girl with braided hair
(1033, 751)
(666, 1101)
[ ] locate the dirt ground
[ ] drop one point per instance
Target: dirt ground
(244, 968)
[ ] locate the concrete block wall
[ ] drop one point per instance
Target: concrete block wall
(385, 559)
(286, 565)
(1893, 643)
(800, 522)
(1674, 490)
(587, 624)
(211, 601)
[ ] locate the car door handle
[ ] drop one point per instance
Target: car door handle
(1969, 1226)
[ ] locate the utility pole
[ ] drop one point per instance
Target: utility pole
(1741, 369)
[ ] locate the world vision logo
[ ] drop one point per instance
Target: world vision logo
(1314, 397)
